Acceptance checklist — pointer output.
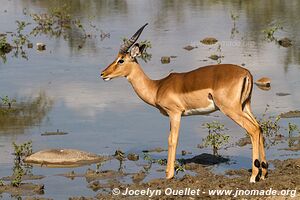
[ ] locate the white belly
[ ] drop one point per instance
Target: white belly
(201, 111)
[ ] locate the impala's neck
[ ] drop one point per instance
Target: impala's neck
(145, 88)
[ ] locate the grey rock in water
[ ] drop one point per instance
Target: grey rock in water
(63, 157)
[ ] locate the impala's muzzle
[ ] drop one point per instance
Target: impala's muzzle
(104, 77)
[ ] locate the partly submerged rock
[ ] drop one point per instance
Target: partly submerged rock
(214, 57)
(64, 158)
(165, 59)
(264, 83)
(244, 141)
(285, 42)
(206, 159)
(209, 40)
(189, 47)
(133, 156)
(40, 46)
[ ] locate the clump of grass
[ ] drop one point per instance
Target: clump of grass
(20, 169)
(22, 150)
(218, 56)
(270, 127)
(55, 23)
(17, 39)
(270, 31)
(291, 129)
(18, 175)
(216, 138)
(6, 101)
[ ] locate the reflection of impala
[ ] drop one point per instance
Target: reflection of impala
(223, 87)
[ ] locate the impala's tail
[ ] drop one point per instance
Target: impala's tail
(246, 89)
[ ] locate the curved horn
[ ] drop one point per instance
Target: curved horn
(127, 44)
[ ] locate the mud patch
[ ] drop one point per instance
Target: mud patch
(290, 114)
(27, 189)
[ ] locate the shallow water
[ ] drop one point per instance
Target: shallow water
(104, 116)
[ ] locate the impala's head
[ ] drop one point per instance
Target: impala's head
(123, 64)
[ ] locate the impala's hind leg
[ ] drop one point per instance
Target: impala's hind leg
(264, 164)
(235, 112)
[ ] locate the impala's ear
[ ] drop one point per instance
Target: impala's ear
(137, 50)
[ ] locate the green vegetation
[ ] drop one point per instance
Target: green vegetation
(234, 30)
(216, 138)
(98, 166)
(20, 169)
(6, 101)
(21, 150)
(291, 129)
(18, 174)
(55, 23)
(145, 55)
(270, 127)
(270, 31)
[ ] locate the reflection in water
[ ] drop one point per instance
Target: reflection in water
(23, 115)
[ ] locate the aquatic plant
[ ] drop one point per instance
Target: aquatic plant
(234, 29)
(98, 166)
(7, 101)
(270, 31)
(17, 177)
(22, 150)
(179, 168)
(216, 138)
(270, 127)
(291, 129)
(55, 23)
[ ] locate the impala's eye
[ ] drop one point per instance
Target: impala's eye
(121, 61)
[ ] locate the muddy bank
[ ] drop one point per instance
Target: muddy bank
(286, 175)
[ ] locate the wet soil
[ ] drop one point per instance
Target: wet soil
(290, 114)
(25, 189)
(286, 175)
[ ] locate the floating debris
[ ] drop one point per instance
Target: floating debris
(282, 94)
(57, 132)
(209, 41)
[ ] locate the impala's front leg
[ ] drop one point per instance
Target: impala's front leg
(172, 143)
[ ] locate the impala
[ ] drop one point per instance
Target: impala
(223, 87)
